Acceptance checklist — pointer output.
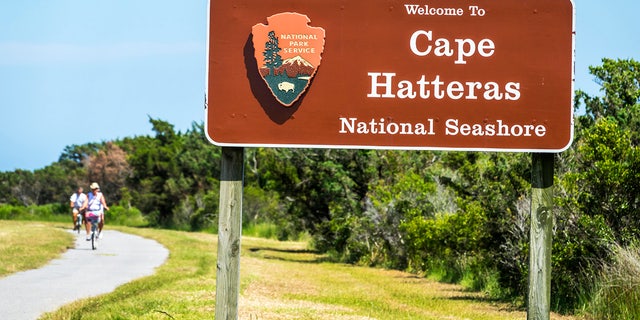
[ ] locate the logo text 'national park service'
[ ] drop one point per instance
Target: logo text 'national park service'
(288, 52)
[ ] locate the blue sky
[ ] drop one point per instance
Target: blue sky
(79, 71)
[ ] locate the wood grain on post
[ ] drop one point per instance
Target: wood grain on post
(540, 236)
(229, 233)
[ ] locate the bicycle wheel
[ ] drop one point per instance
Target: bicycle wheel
(79, 223)
(94, 237)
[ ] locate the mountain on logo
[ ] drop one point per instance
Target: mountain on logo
(294, 67)
(297, 66)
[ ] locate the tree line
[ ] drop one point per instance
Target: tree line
(462, 215)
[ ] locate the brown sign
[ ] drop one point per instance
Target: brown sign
(450, 75)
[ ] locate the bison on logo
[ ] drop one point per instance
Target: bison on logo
(288, 52)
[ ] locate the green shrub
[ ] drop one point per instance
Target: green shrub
(445, 238)
(48, 212)
(206, 216)
(580, 247)
(8, 212)
(261, 230)
(122, 216)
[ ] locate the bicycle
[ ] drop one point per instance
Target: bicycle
(94, 220)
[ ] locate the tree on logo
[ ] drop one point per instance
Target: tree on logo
(272, 58)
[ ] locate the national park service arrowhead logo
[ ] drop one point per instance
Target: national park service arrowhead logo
(288, 52)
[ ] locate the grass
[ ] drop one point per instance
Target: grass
(23, 246)
(617, 290)
(261, 230)
(279, 280)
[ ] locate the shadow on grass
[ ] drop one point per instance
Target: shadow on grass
(458, 293)
(465, 296)
(291, 255)
(503, 304)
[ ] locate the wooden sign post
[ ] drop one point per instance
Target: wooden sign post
(540, 236)
(229, 233)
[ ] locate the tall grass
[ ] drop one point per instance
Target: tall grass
(617, 291)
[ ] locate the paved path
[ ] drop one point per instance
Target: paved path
(120, 258)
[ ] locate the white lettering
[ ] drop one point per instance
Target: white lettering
(462, 52)
(413, 43)
(455, 90)
(385, 85)
(463, 49)
(492, 91)
(381, 127)
(513, 91)
(299, 50)
(414, 9)
(405, 90)
(453, 127)
(298, 37)
(476, 11)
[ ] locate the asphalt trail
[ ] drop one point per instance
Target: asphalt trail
(120, 258)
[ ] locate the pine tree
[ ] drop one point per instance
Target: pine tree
(272, 58)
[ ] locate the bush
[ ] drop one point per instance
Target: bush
(261, 230)
(131, 217)
(48, 212)
(206, 216)
(8, 212)
(259, 206)
(580, 246)
(445, 239)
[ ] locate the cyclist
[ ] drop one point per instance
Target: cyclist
(95, 209)
(78, 204)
